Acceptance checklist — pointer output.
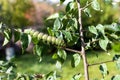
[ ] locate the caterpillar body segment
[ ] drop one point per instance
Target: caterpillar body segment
(35, 34)
(40, 36)
(44, 37)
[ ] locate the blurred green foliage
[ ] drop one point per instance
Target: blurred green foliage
(12, 12)
(116, 46)
(107, 15)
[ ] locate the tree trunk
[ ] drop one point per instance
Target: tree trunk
(86, 74)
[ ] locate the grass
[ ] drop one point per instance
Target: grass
(30, 64)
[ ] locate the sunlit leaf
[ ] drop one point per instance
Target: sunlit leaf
(95, 5)
(118, 63)
(75, 60)
(57, 24)
(103, 69)
(87, 12)
(67, 35)
(9, 70)
(51, 76)
(5, 41)
(114, 36)
(103, 43)
(113, 27)
(71, 24)
(100, 28)
(54, 16)
(93, 30)
(70, 6)
(38, 50)
(117, 77)
(8, 34)
(62, 54)
(116, 57)
(58, 65)
(50, 31)
(55, 56)
(76, 77)
(75, 24)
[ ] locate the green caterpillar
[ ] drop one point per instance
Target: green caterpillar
(45, 37)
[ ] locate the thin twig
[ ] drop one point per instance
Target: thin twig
(72, 50)
(86, 6)
(101, 62)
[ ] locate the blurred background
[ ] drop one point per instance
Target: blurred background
(33, 14)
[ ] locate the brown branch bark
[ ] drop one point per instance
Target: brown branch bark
(72, 50)
(82, 41)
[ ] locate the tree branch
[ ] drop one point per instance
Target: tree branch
(86, 6)
(101, 62)
(82, 41)
(72, 50)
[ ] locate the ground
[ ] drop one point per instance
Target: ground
(30, 64)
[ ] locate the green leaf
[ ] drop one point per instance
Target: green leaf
(5, 41)
(75, 23)
(55, 56)
(107, 1)
(50, 31)
(118, 63)
(95, 5)
(75, 60)
(76, 77)
(51, 76)
(103, 43)
(38, 50)
(54, 16)
(103, 69)
(16, 36)
(24, 40)
(67, 35)
(61, 1)
(70, 6)
(74, 40)
(58, 65)
(8, 34)
(100, 28)
(57, 24)
(9, 70)
(0, 25)
(62, 54)
(114, 36)
(113, 27)
(117, 77)
(87, 12)
(93, 30)
(71, 24)
(116, 57)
